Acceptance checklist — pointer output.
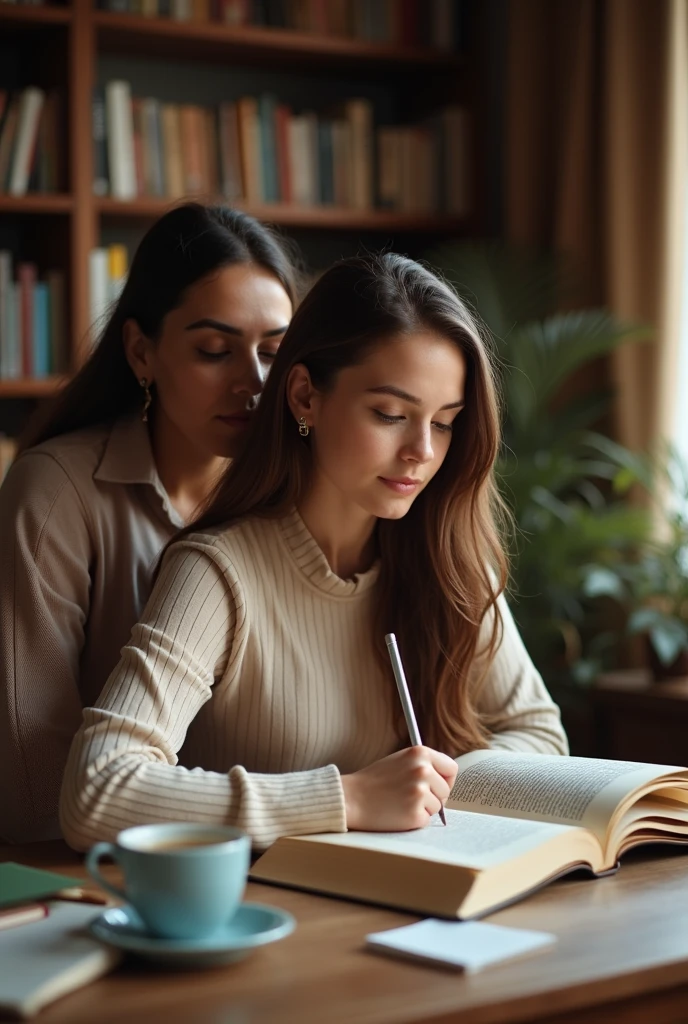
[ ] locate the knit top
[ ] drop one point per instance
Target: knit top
(250, 684)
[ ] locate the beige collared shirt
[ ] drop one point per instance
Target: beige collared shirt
(83, 519)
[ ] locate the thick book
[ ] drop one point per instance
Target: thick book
(514, 823)
(44, 960)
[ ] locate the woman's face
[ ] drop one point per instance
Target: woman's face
(213, 355)
(382, 432)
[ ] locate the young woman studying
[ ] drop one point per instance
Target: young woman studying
(256, 689)
(122, 459)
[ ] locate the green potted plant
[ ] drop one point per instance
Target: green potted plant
(655, 581)
(574, 532)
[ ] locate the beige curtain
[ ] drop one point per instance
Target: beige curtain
(596, 167)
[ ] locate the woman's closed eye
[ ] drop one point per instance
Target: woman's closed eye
(215, 356)
(386, 418)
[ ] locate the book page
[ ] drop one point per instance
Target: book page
(573, 790)
(471, 840)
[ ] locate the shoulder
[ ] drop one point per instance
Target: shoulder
(232, 548)
(72, 458)
(55, 473)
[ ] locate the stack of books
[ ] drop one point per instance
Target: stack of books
(32, 321)
(29, 141)
(257, 149)
(417, 23)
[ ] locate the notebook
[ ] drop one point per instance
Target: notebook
(21, 884)
(42, 961)
(463, 945)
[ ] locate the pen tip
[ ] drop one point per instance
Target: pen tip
(390, 638)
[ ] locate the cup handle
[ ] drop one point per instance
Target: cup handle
(93, 858)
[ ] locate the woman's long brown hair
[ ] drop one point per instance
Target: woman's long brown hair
(442, 565)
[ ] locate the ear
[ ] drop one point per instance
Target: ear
(301, 395)
(139, 350)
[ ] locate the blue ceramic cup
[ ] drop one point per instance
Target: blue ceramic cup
(184, 881)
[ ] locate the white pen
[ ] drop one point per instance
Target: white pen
(405, 697)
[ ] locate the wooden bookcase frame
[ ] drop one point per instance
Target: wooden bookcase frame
(89, 31)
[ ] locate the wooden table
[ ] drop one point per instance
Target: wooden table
(622, 955)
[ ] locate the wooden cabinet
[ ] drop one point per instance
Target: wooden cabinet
(638, 719)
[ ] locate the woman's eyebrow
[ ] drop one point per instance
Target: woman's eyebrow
(218, 325)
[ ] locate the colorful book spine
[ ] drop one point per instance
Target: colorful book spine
(41, 330)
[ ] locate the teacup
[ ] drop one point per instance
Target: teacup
(185, 881)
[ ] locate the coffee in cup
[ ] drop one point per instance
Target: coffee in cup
(185, 881)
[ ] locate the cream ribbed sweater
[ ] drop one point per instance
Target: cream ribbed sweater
(249, 685)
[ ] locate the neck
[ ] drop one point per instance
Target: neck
(344, 533)
(187, 473)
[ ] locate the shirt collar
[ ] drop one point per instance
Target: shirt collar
(128, 456)
(128, 459)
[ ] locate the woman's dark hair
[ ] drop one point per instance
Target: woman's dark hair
(443, 566)
(184, 245)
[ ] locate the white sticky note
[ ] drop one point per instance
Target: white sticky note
(466, 945)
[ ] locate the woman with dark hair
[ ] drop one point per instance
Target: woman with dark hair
(256, 690)
(115, 468)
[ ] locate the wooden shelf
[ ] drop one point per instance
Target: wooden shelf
(289, 215)
(44, 202)
(30, 387)
(30, 15)
(191, 40)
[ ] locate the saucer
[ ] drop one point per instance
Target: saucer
(254, 924)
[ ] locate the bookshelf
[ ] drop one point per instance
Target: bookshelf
(67, 46)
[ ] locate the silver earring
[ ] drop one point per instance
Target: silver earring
(252, 403)
(304, 429)
(147, 398)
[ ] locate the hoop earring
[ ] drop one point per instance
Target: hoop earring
(304, 429)
(147, 398)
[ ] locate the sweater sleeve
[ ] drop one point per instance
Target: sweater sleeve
(123, 768)
(45, 556)
(512, 699)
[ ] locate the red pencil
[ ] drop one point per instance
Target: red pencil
(11, 917)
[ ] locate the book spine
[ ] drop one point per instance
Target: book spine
(118, 261)
(360, 116)
(325, 165)
(5, 316)
(99, 290)
(268, 148)
(172, 149)
(180, 10)
(298, 161)
(26, 279)
(341, 162)
(59, 357)
(312, 162)
(41, 327)
(247, 108)
(15, 331)
(230, 160)
(9, 131)
(101, 184)
(282, 118)
(139, 129)
(152, 148)
(120, 132)
(30, 105)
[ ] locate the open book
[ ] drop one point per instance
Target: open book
(514, 822)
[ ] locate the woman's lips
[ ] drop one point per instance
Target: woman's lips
(237, 419)
(401, 485)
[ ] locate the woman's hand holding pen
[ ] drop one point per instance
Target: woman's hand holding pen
(399, 792)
